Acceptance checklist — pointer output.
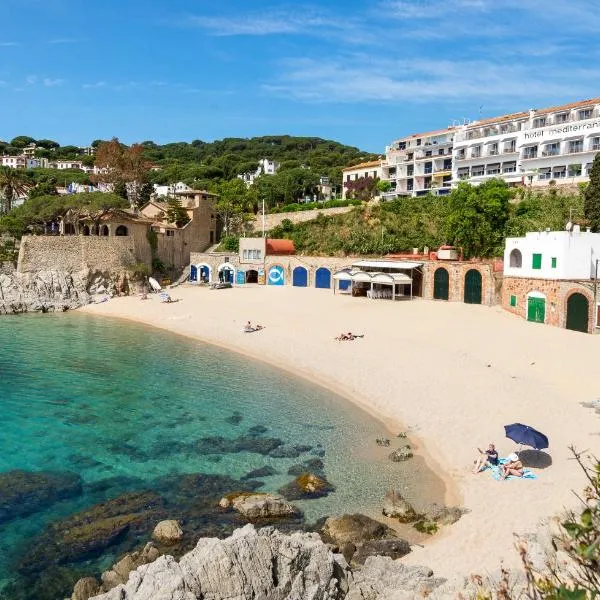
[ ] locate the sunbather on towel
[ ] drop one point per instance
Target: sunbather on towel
(489, 458)
(513, 467)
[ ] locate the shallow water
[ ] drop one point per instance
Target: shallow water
(107, 399)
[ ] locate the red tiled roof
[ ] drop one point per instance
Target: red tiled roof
(281, 247)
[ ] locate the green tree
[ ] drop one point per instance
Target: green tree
(383, 185)
(477, 216)
(13, 185)
(176, 214)
(232, 205)
(592, 197)
(120, 189)
(21, 141)
(47, 144)
(145, 194)
(44, 188)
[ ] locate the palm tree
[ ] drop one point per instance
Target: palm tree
(13, 184)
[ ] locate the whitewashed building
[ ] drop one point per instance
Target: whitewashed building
(265, 167)
(170, 190)
(23, 162)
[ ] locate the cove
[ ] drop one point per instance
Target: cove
(123, 408)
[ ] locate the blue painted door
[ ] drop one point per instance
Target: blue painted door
(300, 277)
(276, 275)
(344, 285)
(241, 277)
(193, 273)
(323, 278)
(204, 274)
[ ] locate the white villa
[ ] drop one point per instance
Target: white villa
(265, 167)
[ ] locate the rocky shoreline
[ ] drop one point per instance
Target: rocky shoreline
(55, 290)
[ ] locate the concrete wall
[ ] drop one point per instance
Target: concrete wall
(76, 252)
(300, 216)
(556, 294)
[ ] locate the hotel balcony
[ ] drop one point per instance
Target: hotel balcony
(551, 153)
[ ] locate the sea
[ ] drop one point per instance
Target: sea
(125, 408)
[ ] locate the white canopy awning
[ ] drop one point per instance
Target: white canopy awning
(344, 275)
(401, 278)
(361, 276)
(386, 264)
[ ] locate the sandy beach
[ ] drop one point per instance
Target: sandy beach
(451, 374)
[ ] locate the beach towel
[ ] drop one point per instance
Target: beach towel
(497, 474)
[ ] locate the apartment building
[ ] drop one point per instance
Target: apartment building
(420, 164)
(23, 162)
(372, 169)
(530, 148)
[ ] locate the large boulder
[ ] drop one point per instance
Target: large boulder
(23, 492)
(307, 485)
(396, 507)
(119, 572)
(86, 588)
(167, 533)
(259, 506)
(355, 528)
(395, 548)
(443, 515)
(250, 564)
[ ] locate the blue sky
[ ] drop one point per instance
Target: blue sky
(363, 72)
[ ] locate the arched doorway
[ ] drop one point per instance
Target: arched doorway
(441, 284)
(104, 230)
(536, 307)
(121, 231)
(578, 308)
(472, 287)
(276, 275)
(226, 273)
(203, 273)
(252, 276)
(323, 278)
(300, 277)
(193, 273)
(516, 259)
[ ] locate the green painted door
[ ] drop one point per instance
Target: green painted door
(441, 284)
(536, 309)
(473, 287)
(577, 313)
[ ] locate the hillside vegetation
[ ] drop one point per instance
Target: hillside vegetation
(474, 218)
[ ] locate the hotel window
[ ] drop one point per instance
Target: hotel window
(493, 149)
(561, 118)
(559, 172)
(575, 146)
(428, 153)
(493, 169)
(402, 146)
(574, 170)
(419, 141)
(586, 113)
(510, 146)
(544, 173)
(552, 149)
(554, 262)
(539, 122)
(509, 167)
(596, 143)
(410, 170)
(447, 164)
(409, 185)
(470, 135)
(476, 152)
(461, 153)
(463, 173)
(536, 261)
(428, 168)
(530, 152)
(478, 171)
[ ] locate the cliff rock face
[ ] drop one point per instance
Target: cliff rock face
(249, 564)
(55, 290)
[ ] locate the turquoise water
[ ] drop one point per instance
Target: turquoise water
(124, 406)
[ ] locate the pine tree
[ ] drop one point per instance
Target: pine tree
(176, 213)
(591, 205)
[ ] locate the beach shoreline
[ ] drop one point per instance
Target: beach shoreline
(300, 326)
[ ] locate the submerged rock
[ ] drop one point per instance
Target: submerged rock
(245, 443)
(307, 485)
(167, 533)
(23, 492)
(88, 533)
(235, 419)
(250, 564)
(396, 507)
(311, 465)
(257, 430)
(258, 473)
(354, 528)
(284, 452)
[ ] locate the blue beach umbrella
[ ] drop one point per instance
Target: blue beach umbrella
(526, 436)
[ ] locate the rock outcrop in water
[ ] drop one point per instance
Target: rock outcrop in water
(54, 290)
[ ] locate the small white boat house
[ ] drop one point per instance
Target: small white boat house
(377, 279)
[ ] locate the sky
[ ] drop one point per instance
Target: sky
(362, 72)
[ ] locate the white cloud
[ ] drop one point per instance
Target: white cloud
(9, 44)
(31, 79)
(66, 41)
(49, 82)
(96, 85)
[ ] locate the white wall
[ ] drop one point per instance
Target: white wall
(575, 253)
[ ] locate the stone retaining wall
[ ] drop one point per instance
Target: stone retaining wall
(300, 216)
(76, 253)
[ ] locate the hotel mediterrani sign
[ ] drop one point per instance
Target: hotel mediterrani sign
(560, 131)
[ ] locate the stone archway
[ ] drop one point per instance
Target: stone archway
(473, 287)
(578, 310)
(441, 284)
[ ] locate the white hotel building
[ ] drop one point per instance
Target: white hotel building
(529, 148)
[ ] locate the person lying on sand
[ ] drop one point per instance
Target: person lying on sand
(489, 458)
(343, 337)
(249, 328)
(513, 467)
